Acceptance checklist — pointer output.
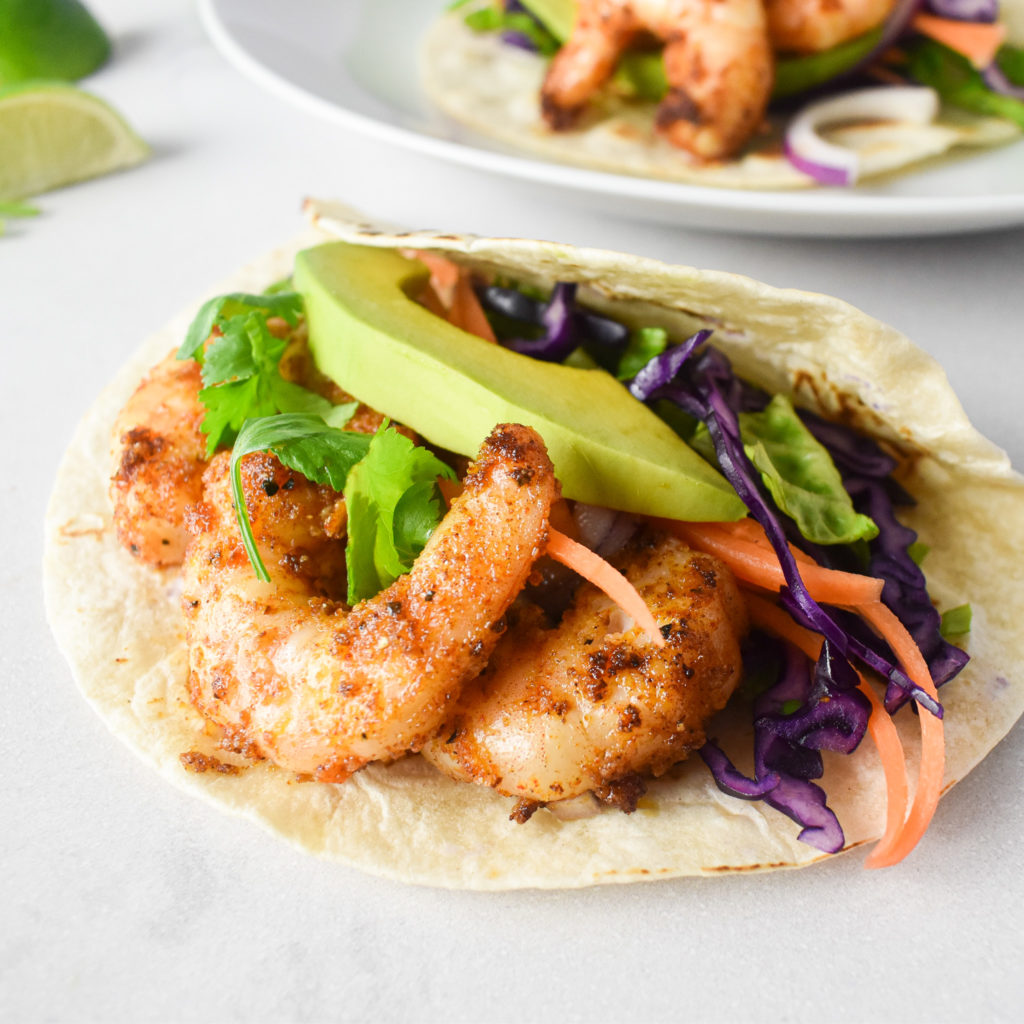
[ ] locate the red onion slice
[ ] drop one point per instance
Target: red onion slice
(836, 165)
(996, 80)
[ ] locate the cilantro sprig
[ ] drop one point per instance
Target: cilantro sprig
(241, 367)
(389, 484)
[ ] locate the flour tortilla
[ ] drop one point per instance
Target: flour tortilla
(493, 89)
(119, 624)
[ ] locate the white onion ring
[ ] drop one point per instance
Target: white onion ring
(837, 165)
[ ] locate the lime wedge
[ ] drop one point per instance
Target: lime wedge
(52, 134)
(49, 39)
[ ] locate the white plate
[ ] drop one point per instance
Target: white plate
(354, 62)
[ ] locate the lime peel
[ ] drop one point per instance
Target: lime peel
(49, 39)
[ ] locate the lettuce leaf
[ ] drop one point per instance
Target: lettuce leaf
(393, 505)
(801, 476)
(959, 82)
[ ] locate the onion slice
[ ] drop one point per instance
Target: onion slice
(838, 165)
(996, 80)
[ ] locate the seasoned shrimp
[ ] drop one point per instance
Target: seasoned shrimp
(159, 453)
(810, 26)
(158, 457)
(718, 63)
(593, 704)
(293, 675)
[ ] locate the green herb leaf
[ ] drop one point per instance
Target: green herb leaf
(1011, 62)
(393, 506)
(215, 311)
(801, 476)
(16, 208)
(959, 82)
(494, 18)
(956, 621)
(303, 442)
(644, 344)
(13, 208)
(794, 75)
(241, 366)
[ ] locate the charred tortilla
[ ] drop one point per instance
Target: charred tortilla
(120, 626)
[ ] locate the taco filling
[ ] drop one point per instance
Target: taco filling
(346, 584)
(757, 93)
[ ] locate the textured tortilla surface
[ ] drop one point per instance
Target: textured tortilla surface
(493, 89)
(120, 626)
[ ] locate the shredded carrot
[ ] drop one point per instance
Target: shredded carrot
(756, 562)
(429, 299)
(466, 311)
(450, 294)
(933, 753)
(883, 732)
(978, 41)
(742, 548)
(596, 570)
(444, 273)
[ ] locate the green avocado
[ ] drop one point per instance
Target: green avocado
(452, 388)
(557, 16)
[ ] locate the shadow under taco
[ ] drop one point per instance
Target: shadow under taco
(861, 387)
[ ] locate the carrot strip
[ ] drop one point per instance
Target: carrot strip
(894, 767)
(755, 563)
(467, 313)
(883, 732)
(933, 753)
(444, 273)
(776, 620)
(430, 300)
(596, 570)
(978, 41)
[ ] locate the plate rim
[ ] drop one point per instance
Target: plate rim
(910, 215)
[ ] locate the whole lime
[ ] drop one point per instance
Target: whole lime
(49, 39)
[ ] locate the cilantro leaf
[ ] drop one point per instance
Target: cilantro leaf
(214, 312)
(303, 442)
(393, 506)
(241, 365)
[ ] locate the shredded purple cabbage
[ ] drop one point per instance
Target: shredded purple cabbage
(965, 10)
(803, 712)
(787, 744)
(702, 386)
(865, 469)
(560, 324)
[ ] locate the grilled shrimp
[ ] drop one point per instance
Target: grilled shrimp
(159, 453)
(592, 704)
(718, 63)
(810, 26)
(292, 674)
(158, 457)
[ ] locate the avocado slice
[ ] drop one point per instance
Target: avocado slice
(451, 387)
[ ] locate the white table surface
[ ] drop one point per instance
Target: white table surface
(124, 900)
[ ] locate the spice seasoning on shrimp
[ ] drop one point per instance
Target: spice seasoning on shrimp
(452, 657)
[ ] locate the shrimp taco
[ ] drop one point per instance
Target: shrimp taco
(330, 577)
(732, 93)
